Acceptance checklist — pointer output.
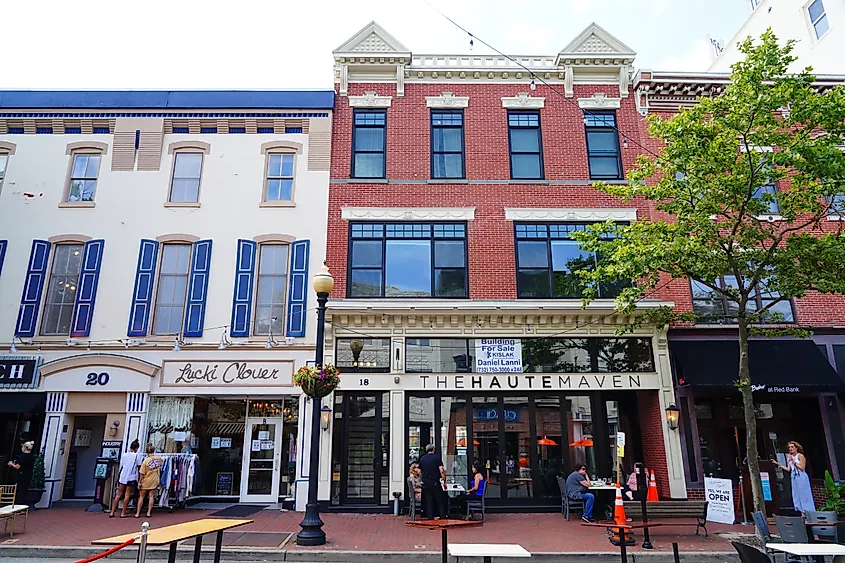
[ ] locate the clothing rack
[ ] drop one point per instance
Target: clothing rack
(178, 480)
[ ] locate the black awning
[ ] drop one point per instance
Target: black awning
(22, 401)
(777, 366)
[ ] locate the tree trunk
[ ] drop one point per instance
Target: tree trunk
(750, 420)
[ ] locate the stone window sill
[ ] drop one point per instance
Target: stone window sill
(182, 204)
(72, 204)
(277, 204)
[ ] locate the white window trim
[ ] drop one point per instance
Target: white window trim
(408, 213)
(570, 214)
(810, 26)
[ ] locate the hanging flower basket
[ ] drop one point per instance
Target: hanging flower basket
(317, 382)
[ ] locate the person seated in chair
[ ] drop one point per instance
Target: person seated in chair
(577, 485)
(476, 490)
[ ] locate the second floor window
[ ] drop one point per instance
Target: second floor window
(172, 291)
(447, 144)
(526, 147)
(407, 260)
(83, 177)
(818, 18)
(62, 289)
(712, 306)
(279, 177)
(185, 184)
(368, 143)
(271, 289)
(548, 260)
(603, 145)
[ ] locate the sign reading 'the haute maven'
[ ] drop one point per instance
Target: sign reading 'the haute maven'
(238, 373)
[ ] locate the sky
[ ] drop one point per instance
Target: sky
(287, 44)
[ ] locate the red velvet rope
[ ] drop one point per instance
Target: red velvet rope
(107, 553)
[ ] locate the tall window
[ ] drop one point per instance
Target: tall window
(272, 289)
(279, 177)
(447, 144)
(368, 144)
(4, 158)
(548, 261)
(603, 145)
(187, 169)
(773, 207)
(61, 290)
(837, 204)
(83, 177)
(818, 18)
(172, 288)
(407, 260)
(712, 306)
(526, 146)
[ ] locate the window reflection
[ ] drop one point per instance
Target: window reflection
(420, 426)
(439, 355)
(518, 447)
(485, 441)
(567, 355)
(580, 422)
(454, 448)
(363, 354)
(548, 446)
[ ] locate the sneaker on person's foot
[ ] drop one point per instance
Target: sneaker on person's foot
(585, 519)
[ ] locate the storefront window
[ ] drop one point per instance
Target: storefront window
(290, 431)
(266, 408)
(439, 355)
(169, 423)
(337, 447)
(420, 426)
(454, 447)
(518, 446)
(581, 446)
(486, 444)
(582, 355)
(363, 354)
(219, 428)
(621, 355)
(549, 446)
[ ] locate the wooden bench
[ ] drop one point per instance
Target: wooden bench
(670, 509)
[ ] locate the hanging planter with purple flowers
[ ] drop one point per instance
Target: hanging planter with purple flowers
(317, 382)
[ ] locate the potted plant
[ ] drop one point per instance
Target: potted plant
(317, 381)
(834, 495)
(36, 486)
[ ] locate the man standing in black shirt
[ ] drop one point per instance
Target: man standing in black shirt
(432, 472)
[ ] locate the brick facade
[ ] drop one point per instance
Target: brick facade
(654, 452)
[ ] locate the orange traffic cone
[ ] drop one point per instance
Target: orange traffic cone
(619, 508)
(652, 490)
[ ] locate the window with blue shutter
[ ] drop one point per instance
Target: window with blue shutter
(197, 288)
(298, 292)
(3, 245)
(244, 283)
(32, 287)
(89, 276)
(142, 294)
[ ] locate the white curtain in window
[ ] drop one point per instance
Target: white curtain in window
(169, 418)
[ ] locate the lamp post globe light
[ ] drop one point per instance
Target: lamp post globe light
(312, 527)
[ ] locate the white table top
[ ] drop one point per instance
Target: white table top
(13, 508)
(487, 550)
(455, 487)
(602, 487)
(808, 548)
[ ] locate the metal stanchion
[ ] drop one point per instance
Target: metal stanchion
(675, 552)
(142, 548)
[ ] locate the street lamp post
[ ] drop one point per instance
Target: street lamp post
(312, 527)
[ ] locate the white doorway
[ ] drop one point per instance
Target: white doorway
(262, 460)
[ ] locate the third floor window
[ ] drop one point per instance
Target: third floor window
(407, 260)
(368, 143)
(447, 144)
(711, 306)
(83, 177)
(187, 170)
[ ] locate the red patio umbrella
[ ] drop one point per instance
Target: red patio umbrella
(586, 442)
(463, 442)
(546, 442)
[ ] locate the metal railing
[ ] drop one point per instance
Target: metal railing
(142, 547)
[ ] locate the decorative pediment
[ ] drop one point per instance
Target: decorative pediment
(447, 100)
(595, 45)
(599, 100)
(372, 40)
(370, 100)
(523, 101)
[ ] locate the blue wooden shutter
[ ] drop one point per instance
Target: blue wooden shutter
(89, 276)
(244, 283)
(298, 292)
(142, 294)
(39, 257)
(3, 245)
(197, 288)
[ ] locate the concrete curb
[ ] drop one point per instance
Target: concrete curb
(333, 556)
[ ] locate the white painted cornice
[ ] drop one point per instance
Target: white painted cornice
(599, 100)
(523, 101)
(570, 214)
(370, 100)
(447, 100)
(408, 213)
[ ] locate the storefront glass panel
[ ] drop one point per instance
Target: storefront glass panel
(420, 426)
(363, 354)
(549, 446)
(486, 441)
(261, 459)
(219, 428)
(518, 446)
(581, 444)
(290, 432)
(454, 448)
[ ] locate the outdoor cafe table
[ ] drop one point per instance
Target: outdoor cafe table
(623, 549)
(171, 535)
(808, 549)
(487, 550)
(443, 526)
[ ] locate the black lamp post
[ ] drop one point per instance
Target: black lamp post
(312, 527)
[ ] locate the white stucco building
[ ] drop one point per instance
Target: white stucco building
(815, 25)
(156, 251)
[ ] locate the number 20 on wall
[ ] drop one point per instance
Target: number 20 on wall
(97, 378)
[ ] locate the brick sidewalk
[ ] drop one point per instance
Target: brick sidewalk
(538, 533)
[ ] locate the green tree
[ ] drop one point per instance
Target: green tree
(719, 221)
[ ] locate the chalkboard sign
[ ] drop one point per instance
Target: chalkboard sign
(224, 483)
(70, 476)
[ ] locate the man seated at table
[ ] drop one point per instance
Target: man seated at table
(577, 485)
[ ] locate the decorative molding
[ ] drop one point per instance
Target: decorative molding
(200, 146)
(58, 239)
(523, 101)
(281, 146)
(86, 146)
(408, 213)
(370, 100)
(177, 238)
(275, 237)
(7, 147)
(570, 214)
(599, 100)
(372, 39)
(447, 100)
(97, 360)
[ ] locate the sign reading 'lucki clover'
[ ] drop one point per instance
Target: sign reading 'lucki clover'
(498, 355)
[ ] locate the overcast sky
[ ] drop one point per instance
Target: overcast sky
(95, 44)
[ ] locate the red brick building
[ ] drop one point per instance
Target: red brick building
(456, 318)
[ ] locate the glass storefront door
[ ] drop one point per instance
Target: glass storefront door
(362, 449)
(262, 460)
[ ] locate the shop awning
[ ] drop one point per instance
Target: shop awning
(777, 366)
(12, 402)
